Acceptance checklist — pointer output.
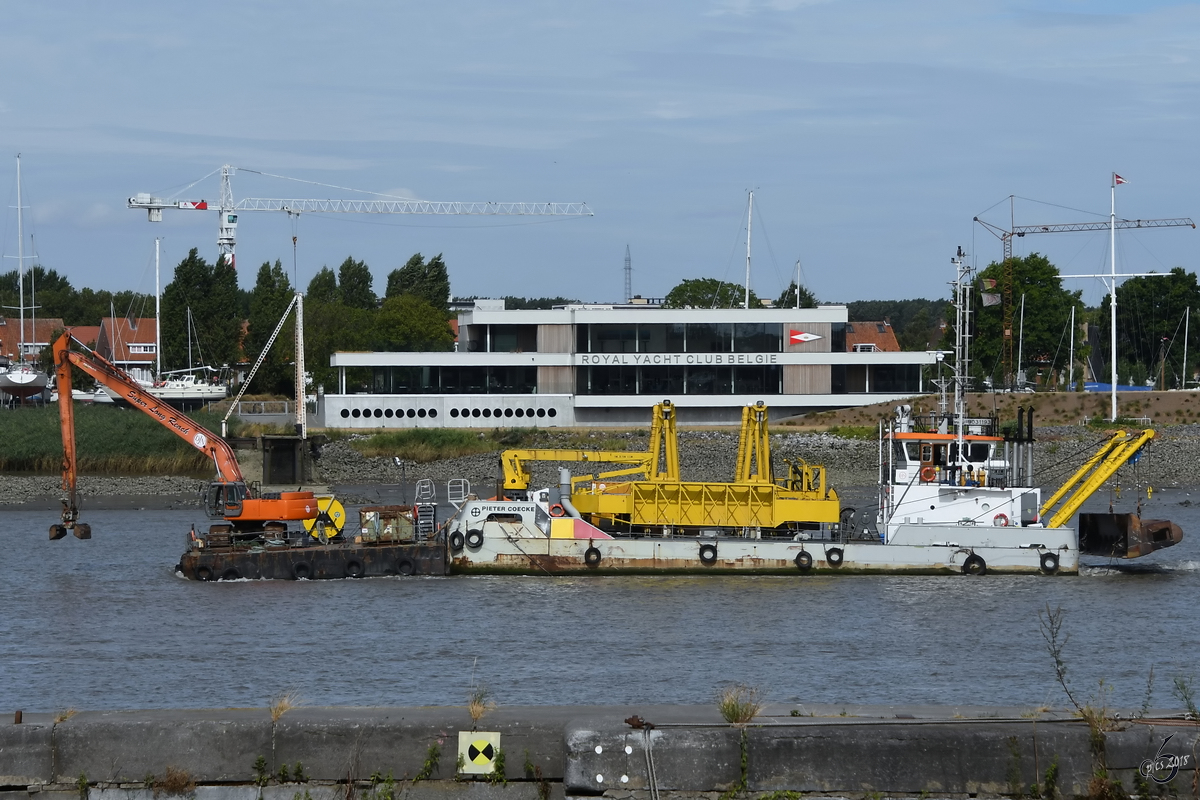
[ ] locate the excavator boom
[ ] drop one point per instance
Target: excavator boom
(227, 496)
(113, 377)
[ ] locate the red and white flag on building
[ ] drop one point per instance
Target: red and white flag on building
(1118, 180)
(802, 337)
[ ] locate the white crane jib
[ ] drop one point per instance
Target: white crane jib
(229, 209)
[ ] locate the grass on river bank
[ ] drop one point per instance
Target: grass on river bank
(109, 440)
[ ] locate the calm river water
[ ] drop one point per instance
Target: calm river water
(105, 624)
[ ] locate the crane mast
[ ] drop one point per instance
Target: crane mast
(1020, 231)
(229, 209)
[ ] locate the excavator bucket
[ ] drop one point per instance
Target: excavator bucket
(1125, 535)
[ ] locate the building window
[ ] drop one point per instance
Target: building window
(710, 337)
(757, 338)
(141, 348)
(613, 339)
(661, 338)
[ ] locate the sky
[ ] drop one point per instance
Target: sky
(872, 132)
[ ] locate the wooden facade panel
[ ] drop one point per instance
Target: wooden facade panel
(822, 345)
(806, 379)
(555, 380)
(556, 339)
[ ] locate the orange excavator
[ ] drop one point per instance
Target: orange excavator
(227, 497)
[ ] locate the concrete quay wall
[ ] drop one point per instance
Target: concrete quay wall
(554, 751)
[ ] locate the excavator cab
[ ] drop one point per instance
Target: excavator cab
(224, 499)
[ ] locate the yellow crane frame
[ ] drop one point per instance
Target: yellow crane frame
(753, 500)
(1112, 455)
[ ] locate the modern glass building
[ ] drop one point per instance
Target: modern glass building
(608, 364)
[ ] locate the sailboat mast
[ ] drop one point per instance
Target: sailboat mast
(1187, 317)
(189, 315)
(749, 226)
(1071, 357)
(20, 264)
(1112, 286)
(1021, 342)
(157, 316)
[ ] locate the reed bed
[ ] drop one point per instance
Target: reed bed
(109, 440)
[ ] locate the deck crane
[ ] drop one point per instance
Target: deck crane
(227, 220)
(1020, 231)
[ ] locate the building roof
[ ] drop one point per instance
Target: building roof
(40, 331)
(877, 336)
(119, 336)
(88, 334)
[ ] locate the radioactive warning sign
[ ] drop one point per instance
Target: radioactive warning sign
(477, 752)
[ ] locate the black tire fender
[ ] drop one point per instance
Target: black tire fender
(474, 538)
(592, 557)
(230, 574)
(354, 568)
(708, 554)
(804, 561)
(405, 567)
(974, 565)
(302, 571)
(457, 540)
(204, 573)
(1049, 563)
(834, 557)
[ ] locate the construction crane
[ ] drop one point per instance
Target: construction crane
(1020, 231)
(227, 219)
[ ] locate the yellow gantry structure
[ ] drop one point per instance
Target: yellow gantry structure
(753, 500)
(1113, 453)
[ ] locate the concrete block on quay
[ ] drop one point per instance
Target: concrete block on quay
(908, 757)
(26, 752)
(114, 746)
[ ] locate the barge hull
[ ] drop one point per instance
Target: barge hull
(315, 562)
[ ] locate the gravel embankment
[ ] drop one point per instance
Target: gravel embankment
(17, 489)
(704, 456)
(1171, 460)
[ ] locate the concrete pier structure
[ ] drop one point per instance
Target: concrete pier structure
(547, 752)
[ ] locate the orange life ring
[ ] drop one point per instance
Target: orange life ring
(1000, 520)
(928, 474)
(557, 510)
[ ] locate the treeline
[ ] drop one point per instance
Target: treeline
(57, 298)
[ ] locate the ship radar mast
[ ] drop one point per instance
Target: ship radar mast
(963, 274)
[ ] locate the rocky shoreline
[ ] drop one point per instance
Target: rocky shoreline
(705, 455)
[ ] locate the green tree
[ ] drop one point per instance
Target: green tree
(918, 333)
(428, 281)
(1047, 317)
(788, 298)
(210, 292)
(1150, 312)
(323, 287)
(355, 284)
(271, 295)
(514, 303)
(407, 322)
(708, 293)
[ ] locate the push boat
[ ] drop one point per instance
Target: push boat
(956, 496)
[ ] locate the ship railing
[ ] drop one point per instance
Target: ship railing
(974, 426)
